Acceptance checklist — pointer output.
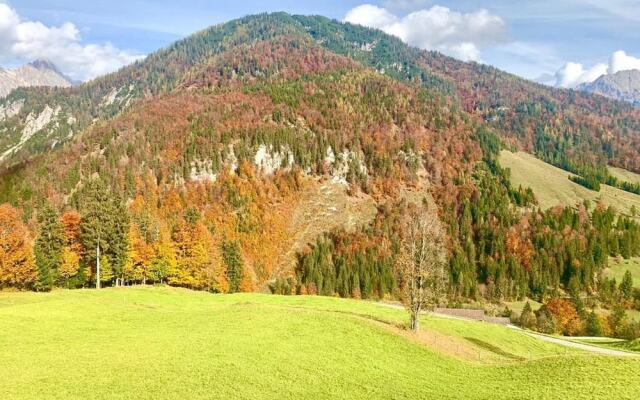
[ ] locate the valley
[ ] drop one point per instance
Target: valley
(272, 206)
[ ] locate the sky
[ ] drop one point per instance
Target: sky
(557, 42)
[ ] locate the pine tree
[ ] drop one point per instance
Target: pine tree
(527, 317)
(48, 248)
(594, 328)
(233, 262)
(626, 286)
(104, 223)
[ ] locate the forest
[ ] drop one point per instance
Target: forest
(171, 190)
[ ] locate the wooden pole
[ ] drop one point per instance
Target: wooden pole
(98, 266)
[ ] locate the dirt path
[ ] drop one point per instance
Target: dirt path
(550, 339)
(582, 346)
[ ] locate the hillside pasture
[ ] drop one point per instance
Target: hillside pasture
(168, 343)
(618, 267)
(552, 187)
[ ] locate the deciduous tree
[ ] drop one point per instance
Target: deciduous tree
(17, 264)
(421, 262)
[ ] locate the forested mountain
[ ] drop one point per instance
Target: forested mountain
(193, 167)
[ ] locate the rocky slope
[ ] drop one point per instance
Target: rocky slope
(37, 73)
(623, 85)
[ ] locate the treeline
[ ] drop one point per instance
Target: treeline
(135, 245)
(575, 316)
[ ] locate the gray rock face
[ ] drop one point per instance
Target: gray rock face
(37, 73)
(623, 85)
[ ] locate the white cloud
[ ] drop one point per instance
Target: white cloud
(405, 5)
(30, 40)
(573, 74)
(370, 15)
(620, 61)
(461, 35)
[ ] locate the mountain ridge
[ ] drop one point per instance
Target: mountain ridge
(623, 85)
(36, 73)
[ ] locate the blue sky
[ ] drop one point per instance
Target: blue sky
(561, 42)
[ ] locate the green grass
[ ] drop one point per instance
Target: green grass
(518, 306)
(552, 186)
(610, 343)
(165, 343)
(624, 175)
(617, 269)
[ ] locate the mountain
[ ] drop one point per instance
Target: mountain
(37, 73)
(623, 85)
(281, 151)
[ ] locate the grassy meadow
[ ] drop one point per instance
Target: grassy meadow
(168, 343)
(552, 186)
(618, 267)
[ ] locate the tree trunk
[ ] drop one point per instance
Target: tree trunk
(415, 319)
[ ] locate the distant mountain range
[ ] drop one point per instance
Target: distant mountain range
(37, 73)
(623, 85)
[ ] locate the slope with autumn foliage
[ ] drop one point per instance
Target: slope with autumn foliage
(231, 131)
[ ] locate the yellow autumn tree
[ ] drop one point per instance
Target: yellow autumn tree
(72, 250)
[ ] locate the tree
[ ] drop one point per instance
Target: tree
(626, 286)
(545, 321)
(421, 261)
(104, 223)
(192, 260)
(527, 317)
(72, 250)
(48, 248)
(17, 264)
(593, 326)
(618, 321)
(233, 262)
(566, 316)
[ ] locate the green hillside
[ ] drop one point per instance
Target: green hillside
(618, 267)
(624, 175)
(164, 343)
(552, 186)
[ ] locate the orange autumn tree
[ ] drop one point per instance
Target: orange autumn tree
(17, 263)
(72, 250)
(568, 321)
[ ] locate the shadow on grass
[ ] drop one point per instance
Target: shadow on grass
(494, 349)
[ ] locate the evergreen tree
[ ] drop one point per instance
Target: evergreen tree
(48, 248)
(233, 262)
(626, 286)
(104, 223)
(527, 317)
(593, 328)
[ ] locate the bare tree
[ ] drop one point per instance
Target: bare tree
(422, 260)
